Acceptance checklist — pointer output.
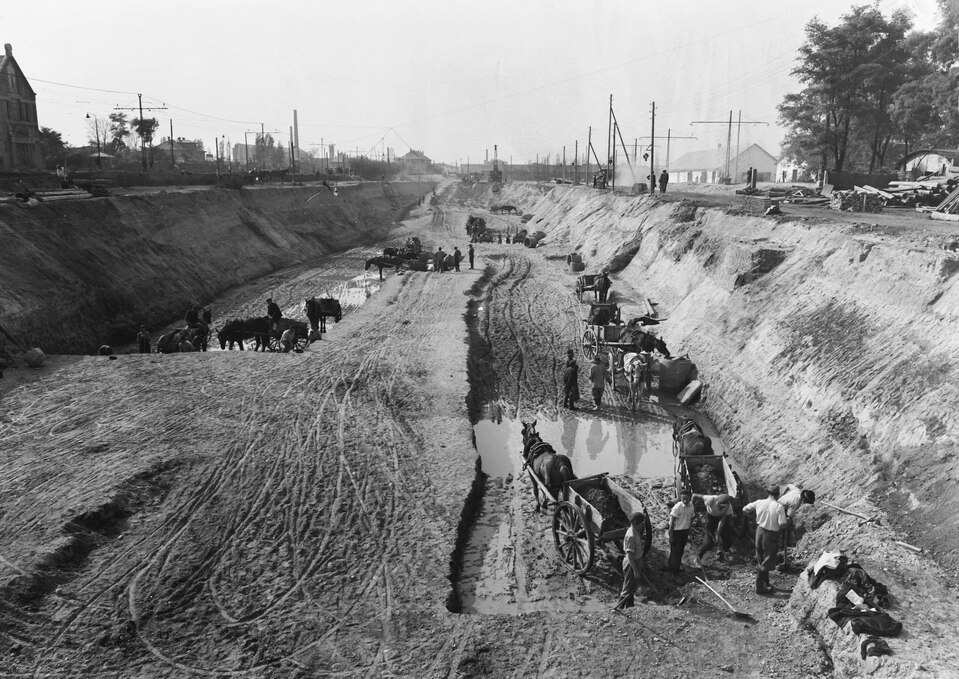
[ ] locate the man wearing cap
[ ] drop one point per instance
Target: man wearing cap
(597, 378)
(633, 546)
(602, 286)
(680, 520)
(719, 515)
(792, 497)
(770, 519)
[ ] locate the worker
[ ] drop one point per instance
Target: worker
(288, 339)
(680, 520)
(143, 340)
(719, 515)
(633, 544)
(602, 286)
(663, 181)
(792, 497)
(273, 313)
(192, 317)
(770, 519)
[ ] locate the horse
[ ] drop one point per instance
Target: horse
(391, 252)
(318, 310)
(384, 262)
(689, 439)
(238, 330)
(646, 342)
(638, 370)
(553, 469)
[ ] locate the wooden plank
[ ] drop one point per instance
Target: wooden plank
(648, 304)
(944, 216)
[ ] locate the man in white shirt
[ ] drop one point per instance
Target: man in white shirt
(680, 519)
(792, 497)
(770, 519)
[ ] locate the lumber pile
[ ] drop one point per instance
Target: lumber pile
(857, 200)
(948, 209)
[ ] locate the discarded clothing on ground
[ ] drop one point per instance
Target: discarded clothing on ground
(872, 621)
(872, 592)
(830, 566)
(874, 646)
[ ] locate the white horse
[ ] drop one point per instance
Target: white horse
(638, 370)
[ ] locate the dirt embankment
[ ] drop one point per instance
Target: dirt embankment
(828, 353)
(76, 274)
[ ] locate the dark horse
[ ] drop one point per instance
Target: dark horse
(238, 330)
(199, 336)
(318, 310)
(384, 262)
(689, 439)
(169, 343)
(648, 342)
(552, 469)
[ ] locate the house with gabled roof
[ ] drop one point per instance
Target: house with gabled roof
(415, 162)
(709, 166)
(19, 132)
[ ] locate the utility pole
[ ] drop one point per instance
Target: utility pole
(296, 142)
(172, 155)
(589, 145)
(143, 150)
(669, 137)
(609, 138)
(729, 134)
(564, 161)
(652, 155)
(575, 162)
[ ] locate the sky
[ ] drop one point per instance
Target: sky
(447, 77)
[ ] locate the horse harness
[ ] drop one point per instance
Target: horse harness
(537, 449)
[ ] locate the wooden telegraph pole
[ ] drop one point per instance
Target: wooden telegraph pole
(143, 150)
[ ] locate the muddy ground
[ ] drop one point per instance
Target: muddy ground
(310, 514)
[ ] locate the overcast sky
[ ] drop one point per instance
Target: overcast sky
(447, 77)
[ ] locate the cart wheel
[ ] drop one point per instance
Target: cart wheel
(590, 344)
(573, 539)
(273, 343)
(301, 343)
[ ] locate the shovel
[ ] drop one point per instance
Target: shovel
(739, 615)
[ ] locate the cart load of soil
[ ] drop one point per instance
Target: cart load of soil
(607, 504)
(705, 482)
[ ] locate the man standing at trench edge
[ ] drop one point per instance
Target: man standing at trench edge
(597, 377)
(770, 518)
(469, 251)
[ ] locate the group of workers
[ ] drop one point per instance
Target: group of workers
(774, 516)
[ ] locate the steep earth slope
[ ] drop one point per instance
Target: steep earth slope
(76, 274)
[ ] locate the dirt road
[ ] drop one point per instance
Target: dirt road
(287, 515)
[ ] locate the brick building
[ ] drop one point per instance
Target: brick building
(19, 132)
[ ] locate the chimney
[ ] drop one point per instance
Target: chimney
(8, 49)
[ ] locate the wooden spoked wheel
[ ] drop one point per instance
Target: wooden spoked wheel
(590, 344)
(302, 341)
(273, 342)
(573, 539)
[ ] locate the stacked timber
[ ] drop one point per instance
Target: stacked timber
(948, 209)
(856, 200)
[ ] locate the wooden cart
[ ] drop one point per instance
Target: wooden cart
(684, 474)
(580, 528)
(587, 283)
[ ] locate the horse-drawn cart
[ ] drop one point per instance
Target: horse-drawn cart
(587, 283)
(703, 474)
(273, 340)
(590, 513)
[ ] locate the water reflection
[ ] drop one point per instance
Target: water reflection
(640, 447)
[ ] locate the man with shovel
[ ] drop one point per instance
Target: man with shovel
(633, 560)
(770, 519)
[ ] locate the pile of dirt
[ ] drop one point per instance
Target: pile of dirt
(705, 482)
(605, 502)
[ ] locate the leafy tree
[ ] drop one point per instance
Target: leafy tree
(145, 129)
(52, 147)
(851, 73)
(264, 148)
(119, 132)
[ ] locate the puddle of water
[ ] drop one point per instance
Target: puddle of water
(640, 448)
(354, 292)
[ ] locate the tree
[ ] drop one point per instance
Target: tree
(145, 129)
(52, 148)
(263, 150)
(851, 73)
(119, 132)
